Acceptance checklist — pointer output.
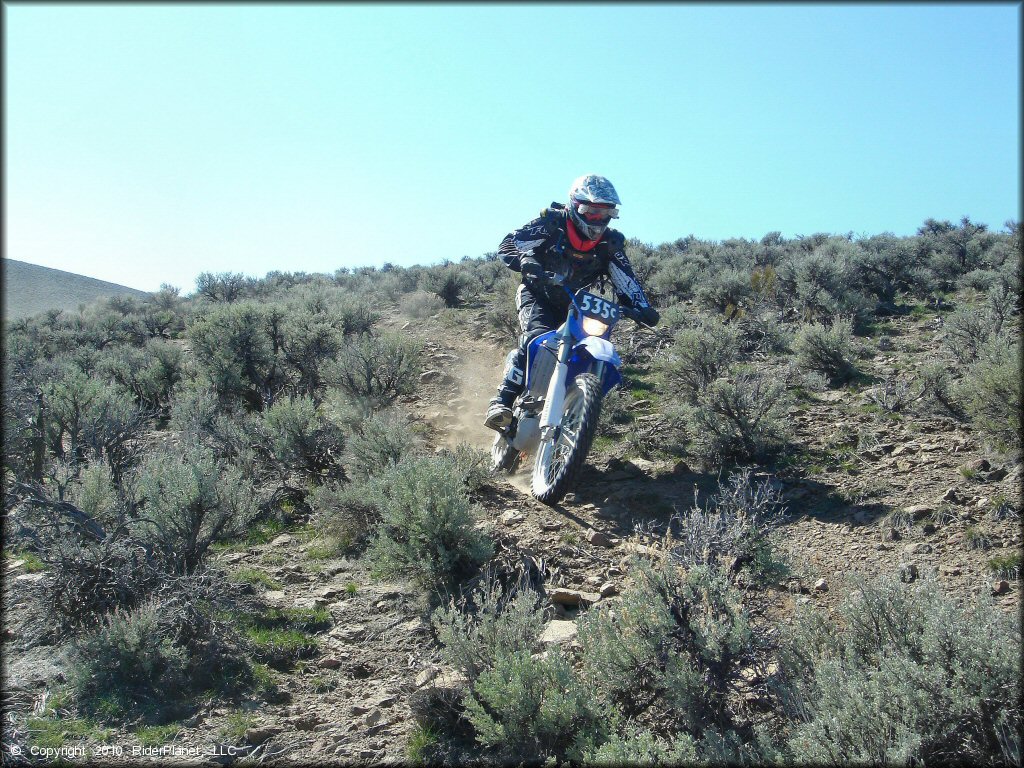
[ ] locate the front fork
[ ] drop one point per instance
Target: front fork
(551, 415)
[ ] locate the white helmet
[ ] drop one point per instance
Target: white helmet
(592, 205)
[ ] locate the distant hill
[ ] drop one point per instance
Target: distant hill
(29, 289)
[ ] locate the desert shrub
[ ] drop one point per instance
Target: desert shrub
(234, 348)
(641, 747)
(521, 704)
(881, 266)
(821, 284)
(762, 330)
(827, 350)
(311, 334)
(735, 527)
(88, 419)
(448, 282)
(420, 305)
(427, 530)
(380, 441)
(740, 420)
(346, 516)
(302, 440)
(224, 286)
(723, 291)
(903, 674)
(697, 357)
(357, 315)
(966, 330)
(938, 393)
(128, 661)
(88, 579)
(490, 620)
(1002, 302)
(533, 706)
(149, 374)
(991, 394)
(190, 500)
(673, 281)
(149, 660)
(979, 279)
(672, 646)
(378, 368)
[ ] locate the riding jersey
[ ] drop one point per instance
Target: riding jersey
(545, 241)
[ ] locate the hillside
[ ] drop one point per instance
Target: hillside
(289, 546)
(29, 289)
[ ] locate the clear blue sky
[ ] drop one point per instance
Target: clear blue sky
(148, 143)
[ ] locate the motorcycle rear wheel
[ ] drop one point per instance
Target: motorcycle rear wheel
(559, 460)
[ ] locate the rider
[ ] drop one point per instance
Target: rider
(571, 240)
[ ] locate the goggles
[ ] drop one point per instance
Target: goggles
(596, 212)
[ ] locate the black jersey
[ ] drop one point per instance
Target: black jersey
(546, 241)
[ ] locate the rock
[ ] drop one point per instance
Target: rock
(331, 662)
(928, 528)
(978, 465)
(608, 589)
(372, 717)
(348, 633)
(908, 572)
(414, 626)
(284, 538)
(821, 585)
(305, 722)
(329, 593)
(260, 733)
(680, 468)
(511, 517)
(598, 539)
(997, 474)
(549, 525)
(358, 709)
(15, 565)
(30, 578)
(572, 597)
(919, 511)
(233, 558)
(952, 496)
(450, 680)
(1000, 587)
(430, 375)
(311, 603)
(425, 676)
(274, 597)
(920, 548)
(643, 466)
(557, 632)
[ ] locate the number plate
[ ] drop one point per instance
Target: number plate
(595, 306)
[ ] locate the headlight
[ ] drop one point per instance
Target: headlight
(594, 327)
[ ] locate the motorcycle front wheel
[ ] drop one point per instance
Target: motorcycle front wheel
(560, 458)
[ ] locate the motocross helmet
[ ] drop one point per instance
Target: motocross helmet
(592, 205)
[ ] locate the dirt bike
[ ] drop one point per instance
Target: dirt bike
(568, 372)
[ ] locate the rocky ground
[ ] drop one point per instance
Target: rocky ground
(870, 495)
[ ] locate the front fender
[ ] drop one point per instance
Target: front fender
(594, 348)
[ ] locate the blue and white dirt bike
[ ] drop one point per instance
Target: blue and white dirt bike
(568, 373)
